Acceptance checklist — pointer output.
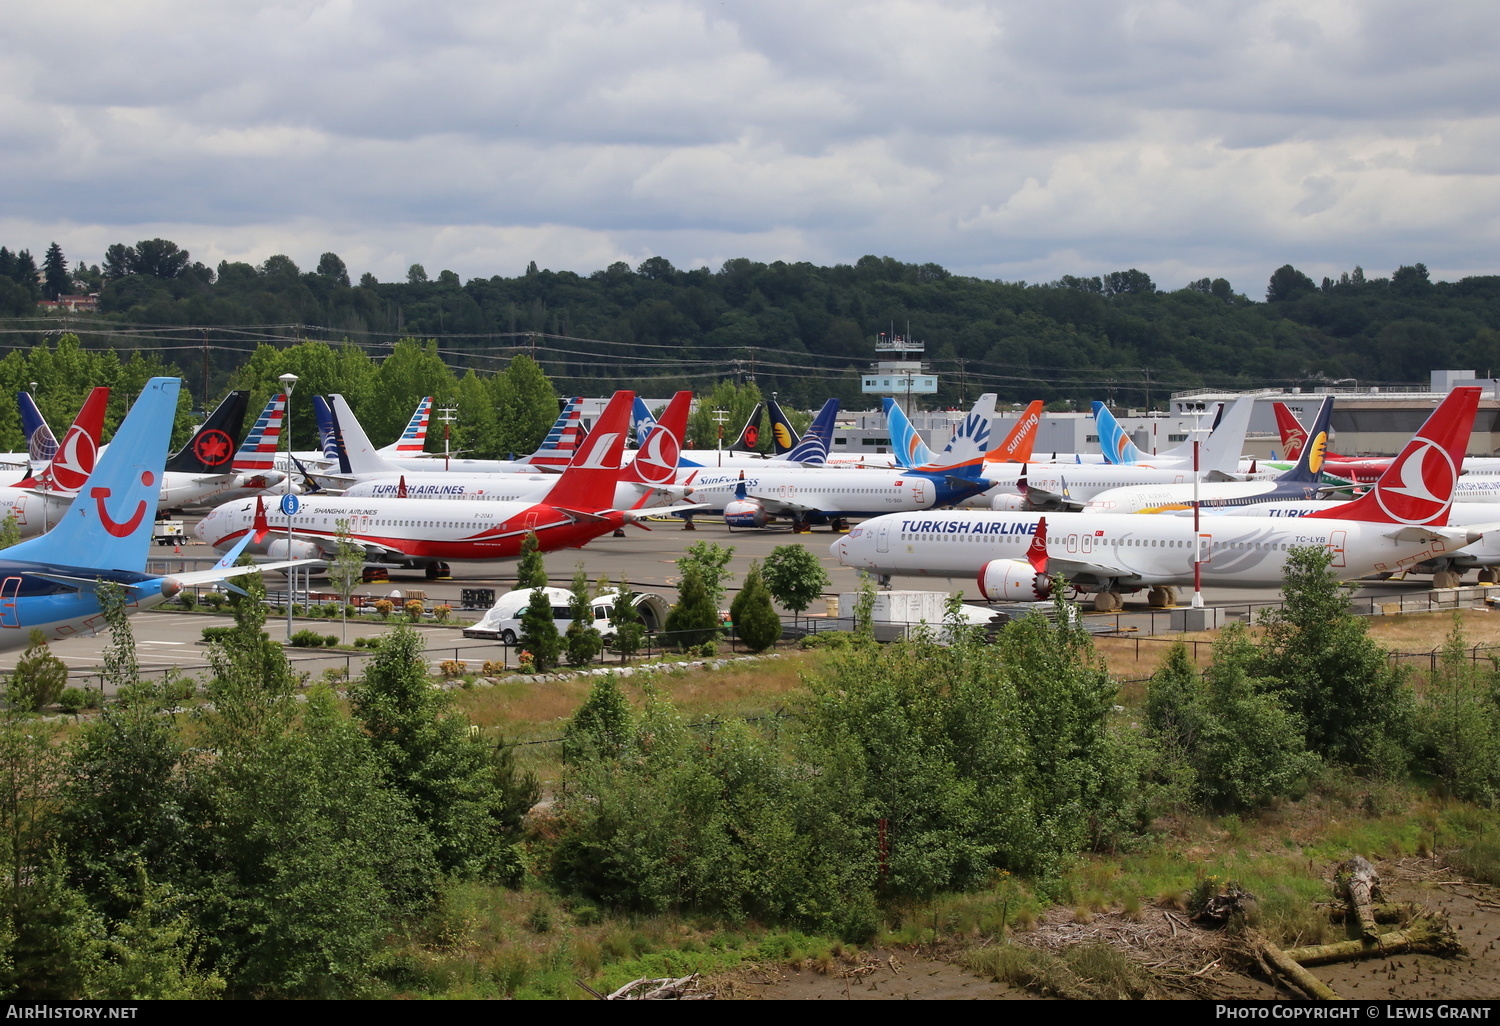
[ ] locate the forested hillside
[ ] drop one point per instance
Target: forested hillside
(803, 330)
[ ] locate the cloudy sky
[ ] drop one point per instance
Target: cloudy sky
(1007, 140)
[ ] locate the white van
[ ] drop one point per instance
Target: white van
(503, 621)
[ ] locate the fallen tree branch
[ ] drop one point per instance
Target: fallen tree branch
(1424, 937)
(1289, 967)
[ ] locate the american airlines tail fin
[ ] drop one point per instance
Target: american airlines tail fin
(906, 442)
(1017, 445)
(784, 437)
(211, 450)
(356, 454)
(258, 451)
(41, 443)
(655, 461)
(813, 447)
(563, 438)
(1416, 490)
(588, 483)
(970, 442)
(324, 416)
(1310, 456)
(413, 438)
(76, 457)
(108, 526)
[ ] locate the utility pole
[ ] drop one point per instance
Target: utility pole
(447, 415)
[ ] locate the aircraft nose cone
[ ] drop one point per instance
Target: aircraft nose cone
(199, 531)
(836, 550)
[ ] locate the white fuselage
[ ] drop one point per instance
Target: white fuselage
(528, 488)
(854, 492)
(1148, 550)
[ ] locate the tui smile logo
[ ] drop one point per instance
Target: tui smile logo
(110, 524)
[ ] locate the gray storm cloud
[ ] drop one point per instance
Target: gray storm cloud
(1000, 139)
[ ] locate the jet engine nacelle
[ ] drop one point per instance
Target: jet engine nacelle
(1013, 580)
(277, 548)
(746, 513)
(1009, 502)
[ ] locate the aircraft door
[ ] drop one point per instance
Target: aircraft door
(10, 615)
(1206, 547)
(1088, 542)
(1335, 546)
(883, 539)
(531, 521)
(1072, 543)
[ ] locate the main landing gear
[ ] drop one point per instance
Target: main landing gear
(1108, 602)
(1161, 597)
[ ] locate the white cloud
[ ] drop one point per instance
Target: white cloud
(1189, 139)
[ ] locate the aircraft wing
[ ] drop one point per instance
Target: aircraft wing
(781, 505)
(1452, 535)
(1071, 567)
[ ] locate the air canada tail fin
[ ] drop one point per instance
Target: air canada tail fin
(211, 450)
(108, 526)
(784, 437)
(1017, 445)
(414, 436)
(79, 452)
(966, 449)
(258, 451)
(41, 443)
(588, 483)
(1416, 490)
(563, 439)
(655, 461)
(1310, 456)
(906, 442)
(749, 439)
(356, 454)
(813, 447)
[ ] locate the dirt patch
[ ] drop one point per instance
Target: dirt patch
(880, 975)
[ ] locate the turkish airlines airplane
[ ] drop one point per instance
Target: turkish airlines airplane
(428, 533)
(645, 483)
(1398, 524)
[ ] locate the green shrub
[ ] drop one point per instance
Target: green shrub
(39, 679)
(755, 619)
(307, 639)
(217, 633)
(330, 640)
(188, 600)
(72, 699)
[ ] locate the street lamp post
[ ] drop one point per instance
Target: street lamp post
(288, 382)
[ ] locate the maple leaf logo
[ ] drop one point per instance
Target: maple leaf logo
(213, 448)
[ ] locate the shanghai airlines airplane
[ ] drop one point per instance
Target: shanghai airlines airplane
(1400, 523)
(427, 533)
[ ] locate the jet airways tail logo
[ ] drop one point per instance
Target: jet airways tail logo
(783, 436)
(1427, 477)
(110, 524)
(1319, 452)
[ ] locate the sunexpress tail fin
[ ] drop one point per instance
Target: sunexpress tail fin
(211, 450)
(413, 438)
(41, 444)
(906, 443)
(588, 483)
(813, 447)
(79, 451)
(1416, 490)
(108, 526)
(258, 451)
(967, 448)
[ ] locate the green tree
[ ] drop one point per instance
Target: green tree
(694, 620)
(55, 280)
(603, 725)
(464, 793)
(346, 570)
(530, 570)
(1354, 707)
(755, 619)
(525, 405)
(331, 267)
(711, 561)
(794, 576)
(39, 677)
(736, 403)
(584, 642)
(121, 669)
(1459, 723)
(539, 634)
(10, 531)
(625, 622)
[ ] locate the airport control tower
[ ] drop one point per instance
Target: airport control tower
(899, 370)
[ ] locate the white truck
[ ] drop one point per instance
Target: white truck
(503, 621)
